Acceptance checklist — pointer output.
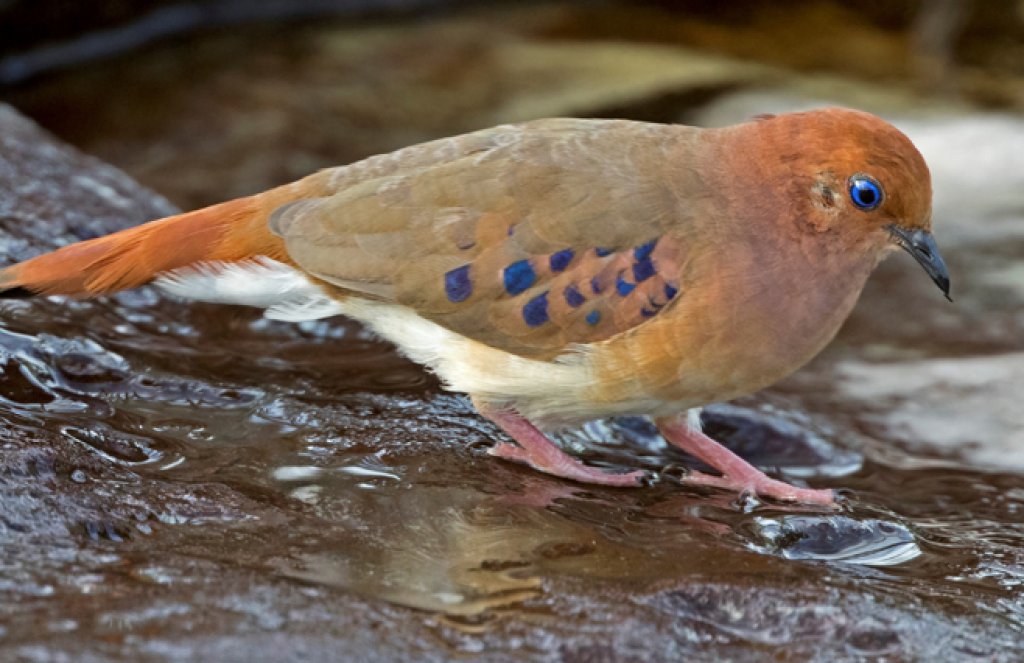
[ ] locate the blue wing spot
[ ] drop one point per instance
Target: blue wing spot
(595, 285)
(593, 317)
(457, 284)
(647, 313)
(643, 270)
(643, 252)
(602, 252)
(535, 311)
(518, 277)
(560, 260)
(670, 292)
(573, 297)
(623, 286)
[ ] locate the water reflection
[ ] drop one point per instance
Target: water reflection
(489, 552)
(837, 539)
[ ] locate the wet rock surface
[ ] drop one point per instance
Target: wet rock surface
(182, 482)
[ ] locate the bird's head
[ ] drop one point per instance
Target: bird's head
(858, 178)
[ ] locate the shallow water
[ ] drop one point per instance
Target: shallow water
(183, 481)
(204, 453)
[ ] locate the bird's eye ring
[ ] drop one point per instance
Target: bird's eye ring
(865, 192)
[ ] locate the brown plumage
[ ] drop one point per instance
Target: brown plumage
(560, 270)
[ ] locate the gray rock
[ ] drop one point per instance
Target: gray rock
(52, 194)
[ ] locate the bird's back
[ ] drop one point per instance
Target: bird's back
(529, 238)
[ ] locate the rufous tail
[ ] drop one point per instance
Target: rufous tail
(228, 232)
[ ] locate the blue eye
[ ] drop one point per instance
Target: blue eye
(865, 192)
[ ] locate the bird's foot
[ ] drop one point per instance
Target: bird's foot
(538, 451)
(760, 485)
(560, 464)
(737, 474)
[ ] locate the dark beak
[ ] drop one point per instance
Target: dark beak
(921, 245)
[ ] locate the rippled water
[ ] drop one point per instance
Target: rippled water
(179, 442)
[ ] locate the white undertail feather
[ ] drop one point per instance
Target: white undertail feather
(285, 292)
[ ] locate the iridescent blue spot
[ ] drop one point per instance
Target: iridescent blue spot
(457, 285)
(518, 277)
(623, 286)
(593, 317)
(647, 313)
(602, 252)
(643, 270)
(573, 297)
(643, 251)
(595, 285)
(670, 292)
(535, 312)
(560, 260)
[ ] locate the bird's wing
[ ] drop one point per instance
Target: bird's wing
(529, 238)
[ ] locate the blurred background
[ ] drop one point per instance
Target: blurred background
(192, 482)
(208, 100)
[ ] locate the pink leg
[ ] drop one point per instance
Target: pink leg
(737, 474)
(536, 450)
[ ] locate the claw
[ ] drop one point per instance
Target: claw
(648, 479)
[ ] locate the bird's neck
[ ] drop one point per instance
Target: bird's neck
(779, 290)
